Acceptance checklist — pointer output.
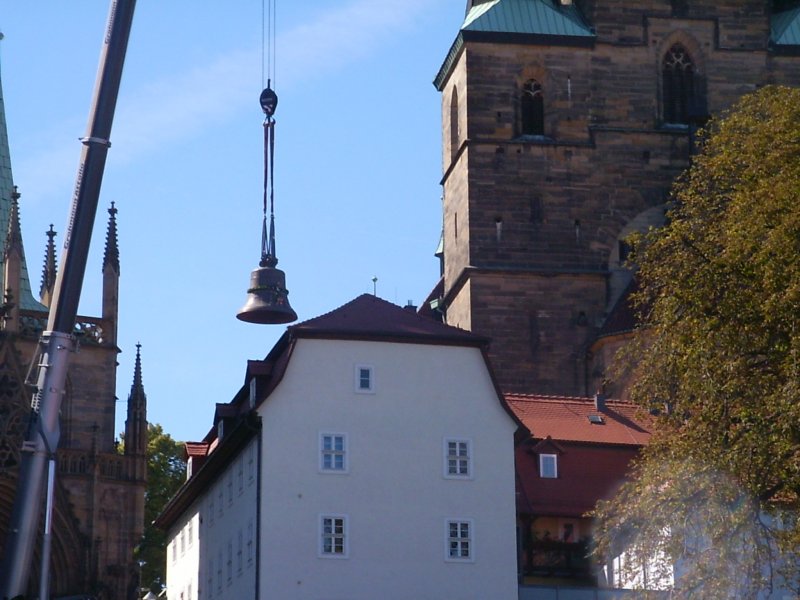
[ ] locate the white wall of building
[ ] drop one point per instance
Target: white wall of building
(220, 561)
(395, 496)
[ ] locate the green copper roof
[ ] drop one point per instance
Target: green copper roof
(519, 21)
(537, 17)
(26, 301)
(785, 28)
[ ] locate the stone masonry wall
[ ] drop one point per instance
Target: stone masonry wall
(531, 222)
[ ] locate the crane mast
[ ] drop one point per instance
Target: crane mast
(57, 342)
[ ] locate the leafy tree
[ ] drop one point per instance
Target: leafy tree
(166, 472)
(718, 362)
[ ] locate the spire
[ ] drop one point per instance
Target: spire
(111, 279)
(111, 256)
(136, 423)
(49, 270)
(14, 232)
(24, 295)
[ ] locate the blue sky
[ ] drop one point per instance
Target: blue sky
(358, 164)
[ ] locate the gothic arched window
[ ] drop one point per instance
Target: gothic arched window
(677, 85)
(532, 103)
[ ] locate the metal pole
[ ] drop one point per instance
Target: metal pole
(47, 542)
(57, 342)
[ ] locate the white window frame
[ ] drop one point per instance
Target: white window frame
(544, 473)
(469, 539)
(447, 457)
(323, 452)
(358, 380)
(322, 536)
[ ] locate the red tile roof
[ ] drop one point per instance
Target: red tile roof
(567, 418)
(196, 449)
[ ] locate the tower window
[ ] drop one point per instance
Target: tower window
(678, 85)
(532, 104)
(454, 133)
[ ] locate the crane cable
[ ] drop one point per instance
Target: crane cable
(269, 102)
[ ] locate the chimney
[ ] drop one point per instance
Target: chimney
(599, 401)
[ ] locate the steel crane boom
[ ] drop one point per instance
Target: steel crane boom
(57, 342)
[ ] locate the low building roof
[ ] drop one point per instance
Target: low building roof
(567, 418)
(595, 440)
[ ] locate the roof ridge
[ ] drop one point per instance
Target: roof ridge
(558, 398)
(368, 317)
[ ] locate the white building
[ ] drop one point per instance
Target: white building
(370, 455)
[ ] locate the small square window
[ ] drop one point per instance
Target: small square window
(364, 379)
(457, 459)
(548, 466)
(459, 543)
(333, 452)
(333, 536)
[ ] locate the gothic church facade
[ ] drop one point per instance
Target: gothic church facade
(564, 125)
(99, 509)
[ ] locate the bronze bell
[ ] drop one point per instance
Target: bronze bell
(267, 299)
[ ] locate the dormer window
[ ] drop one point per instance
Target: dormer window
(548, 466)
(532, 108)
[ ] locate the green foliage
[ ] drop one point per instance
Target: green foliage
(719, 359)
(166, 472)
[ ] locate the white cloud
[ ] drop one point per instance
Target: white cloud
(177, 107)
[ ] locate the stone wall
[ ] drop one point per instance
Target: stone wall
(532, 224)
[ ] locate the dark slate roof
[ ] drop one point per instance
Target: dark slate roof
(371, 318)
(785, 28)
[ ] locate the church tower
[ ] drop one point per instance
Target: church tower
(564, 124)
(98, 516)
